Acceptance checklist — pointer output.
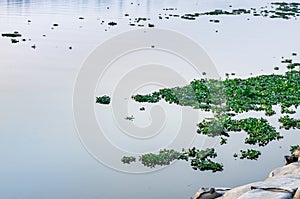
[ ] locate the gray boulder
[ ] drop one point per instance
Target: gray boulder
(282, 183)
(297, 194)
(210, 193)
(293, 168)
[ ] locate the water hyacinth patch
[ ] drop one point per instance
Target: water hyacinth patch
(230, 97)
(103, 100)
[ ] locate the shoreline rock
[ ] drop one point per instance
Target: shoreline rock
(282, 183)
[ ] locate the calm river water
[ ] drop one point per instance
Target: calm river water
(42, 155)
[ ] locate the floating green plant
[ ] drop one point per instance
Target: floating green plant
(200, 159)
(164, 157)
(14, 34)
(250, 154)
(14, 40)
(128, 159)
(103, 100)
(112, 23)
(293, 148)
(276, 10)
(230, 97)
(130, 118)
(288, 122)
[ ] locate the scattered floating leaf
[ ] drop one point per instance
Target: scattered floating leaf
(103, 99)
(112, 23)
(128, 159)
(14, 41)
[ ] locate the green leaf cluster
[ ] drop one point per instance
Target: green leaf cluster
(103, 99)
(128, 159)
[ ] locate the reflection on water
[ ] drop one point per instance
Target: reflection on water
(42, 156)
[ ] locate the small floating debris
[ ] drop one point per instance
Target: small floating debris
(214, 21)
(103, 99)
(14, 41)
(130, 118)
(287, 61)
(140, 19)
(55, 24)
(142, 109)
(112, 23)
(188, 17)
(169, 9)
(70, 47)
(33, 46)
(28, 20)
(150, 25)
(276, 68)
(81, 18)
(126, 15)
(294, 54)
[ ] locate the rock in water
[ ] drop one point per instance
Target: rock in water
(282, 183)
(210, 193)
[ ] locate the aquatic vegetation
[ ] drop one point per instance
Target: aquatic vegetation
(200, 159)
(230, 97)
(276, 10)
(112, 23)
(164, 157)
(128, 159)
(103, 99)
(188, 17)
(287, 61)
(14, 34)
(14, 40)
(292, 65)
(288, 122)
(250, 154)
(153, 98)
(293, 148)
(130, 118)
(214, 20)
